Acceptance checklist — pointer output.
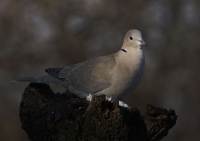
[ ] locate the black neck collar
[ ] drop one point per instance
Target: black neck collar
(124, 50)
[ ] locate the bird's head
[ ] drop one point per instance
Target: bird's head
(133, 38)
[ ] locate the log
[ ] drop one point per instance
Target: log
(46, 116)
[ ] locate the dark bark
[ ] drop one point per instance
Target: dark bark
(46, 116)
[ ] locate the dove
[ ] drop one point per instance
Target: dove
(115, 75)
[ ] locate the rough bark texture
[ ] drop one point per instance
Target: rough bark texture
(46, 116)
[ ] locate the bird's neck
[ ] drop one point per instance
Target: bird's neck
(130, 58)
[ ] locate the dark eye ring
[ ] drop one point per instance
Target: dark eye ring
(131, 38)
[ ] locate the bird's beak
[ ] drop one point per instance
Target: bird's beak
(143, 43)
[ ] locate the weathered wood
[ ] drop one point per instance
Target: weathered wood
(46, 116)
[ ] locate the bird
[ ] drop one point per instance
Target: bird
(115, 75)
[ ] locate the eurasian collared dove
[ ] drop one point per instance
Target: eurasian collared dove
(115, 75)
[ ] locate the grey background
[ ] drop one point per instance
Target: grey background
(40, 34)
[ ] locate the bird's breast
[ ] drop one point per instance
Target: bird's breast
(130, 73)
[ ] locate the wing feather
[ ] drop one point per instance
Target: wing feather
(90, 76)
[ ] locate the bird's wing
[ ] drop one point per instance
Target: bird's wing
(57, 72)
(54, 72)
(90, 76)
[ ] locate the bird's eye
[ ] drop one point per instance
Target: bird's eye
(131, 38)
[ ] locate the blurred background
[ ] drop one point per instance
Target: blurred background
(40, 34)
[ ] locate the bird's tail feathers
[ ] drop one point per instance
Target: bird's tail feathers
(47, 79)
(25, 79)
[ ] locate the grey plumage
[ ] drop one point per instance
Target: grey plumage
(114, 75)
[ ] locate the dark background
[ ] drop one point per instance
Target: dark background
(40, 34)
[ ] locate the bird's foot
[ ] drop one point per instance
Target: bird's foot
(123, 104)
(89, 97)
(120, 102)
(109, 99)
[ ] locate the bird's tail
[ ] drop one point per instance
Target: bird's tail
(47, 79)
(25, 79)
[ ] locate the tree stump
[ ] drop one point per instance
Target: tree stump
(46, 116)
